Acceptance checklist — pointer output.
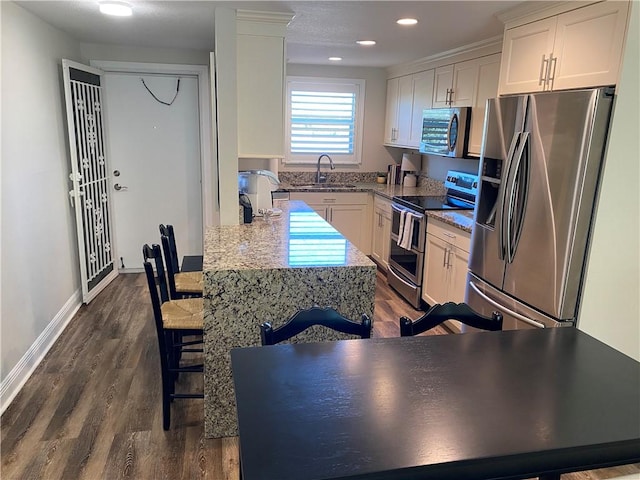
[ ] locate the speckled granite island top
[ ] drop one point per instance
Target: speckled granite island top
(297, 238)
(266, 271)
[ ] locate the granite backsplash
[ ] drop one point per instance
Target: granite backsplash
(298, 178)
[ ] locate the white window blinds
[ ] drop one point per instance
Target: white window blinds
(324, 116)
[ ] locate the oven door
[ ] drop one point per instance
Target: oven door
(407, 262)
(418, 235)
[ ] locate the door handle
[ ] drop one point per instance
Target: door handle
(551, 74)
(544, 70)
(119, 187)
(502, 196)
(505, 309)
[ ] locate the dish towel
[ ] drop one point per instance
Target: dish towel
(403, 217)
(407, 231)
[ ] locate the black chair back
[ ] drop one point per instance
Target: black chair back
(326, 317)
(171, 251)
(449, 311)
(158, 278)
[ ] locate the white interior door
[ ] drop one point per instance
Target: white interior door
(155, 162)
(84, 100)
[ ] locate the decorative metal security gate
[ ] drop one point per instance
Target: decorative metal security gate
(89, 175)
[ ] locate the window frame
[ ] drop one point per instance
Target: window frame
(356, 86)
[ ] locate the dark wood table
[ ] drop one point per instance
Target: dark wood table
(513, 404)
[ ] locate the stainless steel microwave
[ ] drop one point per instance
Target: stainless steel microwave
(445, 131)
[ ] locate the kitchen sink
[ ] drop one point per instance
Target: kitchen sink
(326, 185)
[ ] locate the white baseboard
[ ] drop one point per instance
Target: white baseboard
(18, 376)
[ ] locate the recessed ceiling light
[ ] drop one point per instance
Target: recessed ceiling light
(407, 21)
(119, 9)
(366, 42)
(335, 59)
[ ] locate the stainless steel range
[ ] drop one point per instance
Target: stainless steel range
(409, 229)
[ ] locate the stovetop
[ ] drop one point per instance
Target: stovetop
(461, 190)
(422, 203)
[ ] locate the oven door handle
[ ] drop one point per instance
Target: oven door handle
(398, 208)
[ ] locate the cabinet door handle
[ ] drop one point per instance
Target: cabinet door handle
(444, 258)
(551, 76)
(451, 97)
(544, 70)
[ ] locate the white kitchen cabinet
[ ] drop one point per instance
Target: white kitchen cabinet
(381, 231)
(422, 99)
(578, 48)
(442, 84)
(349, 213)
(445, 265)
(455, 85)
(485, 87)
(407, 97)
(398, 114)
(260, 84)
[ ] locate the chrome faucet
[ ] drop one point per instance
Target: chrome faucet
(322, 178)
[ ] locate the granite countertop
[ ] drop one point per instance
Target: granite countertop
(297, 238)
(462, 219)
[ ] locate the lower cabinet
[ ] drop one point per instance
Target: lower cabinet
(381, 231)
(349, 213)
(445, 265)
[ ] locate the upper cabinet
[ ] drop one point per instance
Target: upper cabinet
(399, 102)
(422, 93)
(454, 85)
(442, 86)
(485, 87)
(260, 83)
(578, 48)
(407, 96)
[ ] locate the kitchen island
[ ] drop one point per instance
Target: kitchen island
(266, 271)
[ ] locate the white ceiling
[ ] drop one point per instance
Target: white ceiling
(319, 29)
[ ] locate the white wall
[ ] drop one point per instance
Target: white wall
(40, 271)
(436, 167)
(119, 53)
(610, 308)
(375, 157)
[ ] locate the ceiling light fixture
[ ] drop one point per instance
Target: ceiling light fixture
(335, 59)
(366, 42)
(118, 9)
(407, 21)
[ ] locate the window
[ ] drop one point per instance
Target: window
(324, 115)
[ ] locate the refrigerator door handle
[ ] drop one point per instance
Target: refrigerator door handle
(517, 197)
(504, 309)
(504, 189)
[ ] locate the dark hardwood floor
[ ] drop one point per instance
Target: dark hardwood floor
(91, 410)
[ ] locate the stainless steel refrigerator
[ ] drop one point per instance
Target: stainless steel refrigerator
(541, 160)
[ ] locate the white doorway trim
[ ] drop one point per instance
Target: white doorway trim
(208, 157)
